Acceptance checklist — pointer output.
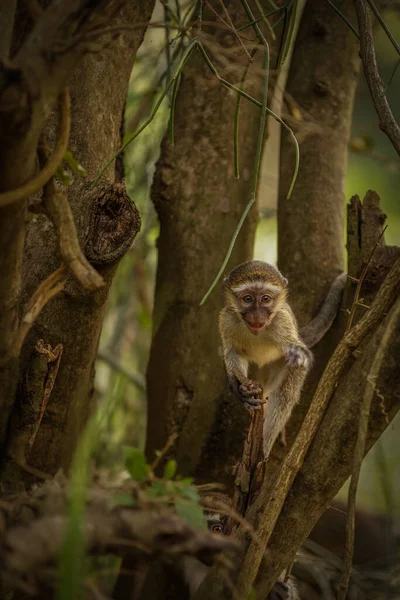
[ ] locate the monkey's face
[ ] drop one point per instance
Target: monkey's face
(257, 306)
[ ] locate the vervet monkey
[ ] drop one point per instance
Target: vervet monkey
(266, 356)
(195, 571)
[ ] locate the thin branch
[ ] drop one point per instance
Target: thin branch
(387, 122)
(59, 211)
(50, 168)
(49, 288)
(359, 451)
(235, 31)
(384, 26)
(170, 442)
(136, 378)
(341, 15)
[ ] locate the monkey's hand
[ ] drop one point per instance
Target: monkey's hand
(298, 356)
(250, 394)
(280, 591)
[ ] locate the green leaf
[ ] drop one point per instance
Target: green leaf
(121, 499)
(63, 176)
(135, 463)
(187, 480)
(190, 491)
(75, 166)
(192, 513)
(170, 469)
(157, 489)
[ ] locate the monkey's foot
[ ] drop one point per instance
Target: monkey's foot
(280, 591)
(251, 395)
(296, 356)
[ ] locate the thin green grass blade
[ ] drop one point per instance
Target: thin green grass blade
(236, 118)
(341, 15)
(172, 111)
(383, 25)
(73, 549)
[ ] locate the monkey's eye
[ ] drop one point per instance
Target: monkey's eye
(217, 528)
(266, 298)
(247, 298)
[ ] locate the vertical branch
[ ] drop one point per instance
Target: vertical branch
(387, 122)
(359, 451)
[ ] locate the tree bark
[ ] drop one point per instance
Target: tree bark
(321, 84)
(106, 222)
(30, 85)
(199, 204)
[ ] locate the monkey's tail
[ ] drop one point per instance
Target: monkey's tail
(312, 333)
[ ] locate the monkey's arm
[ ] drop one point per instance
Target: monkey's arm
(312, 333)
(237, 366)
(285, 332)
(248, 391)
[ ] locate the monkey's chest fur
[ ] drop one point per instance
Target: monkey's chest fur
(266, 360)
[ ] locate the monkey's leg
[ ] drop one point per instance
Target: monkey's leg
(280, 405)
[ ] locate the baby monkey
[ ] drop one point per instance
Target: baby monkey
(266, 357)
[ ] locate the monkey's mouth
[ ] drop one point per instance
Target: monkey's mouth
(256, 328)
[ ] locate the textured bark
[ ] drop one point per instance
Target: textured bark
(29, 87)
(321, 82)
(106, 222)
(199, 204)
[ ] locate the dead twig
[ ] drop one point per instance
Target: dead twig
(45, 292)
(53, 360)
(57, 207)
(359, 451)
(360, 281)
(387, 122)
(50, 168)
(234, 30)
(170, 442)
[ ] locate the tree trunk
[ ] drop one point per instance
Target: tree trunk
(321, 84)
(106, 222)
(199, 204)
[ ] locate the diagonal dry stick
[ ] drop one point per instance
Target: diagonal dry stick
(360, 281)
(59, 211)
(359, 450)
(49, 288)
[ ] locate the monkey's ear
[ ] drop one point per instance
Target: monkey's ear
(285, 282)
